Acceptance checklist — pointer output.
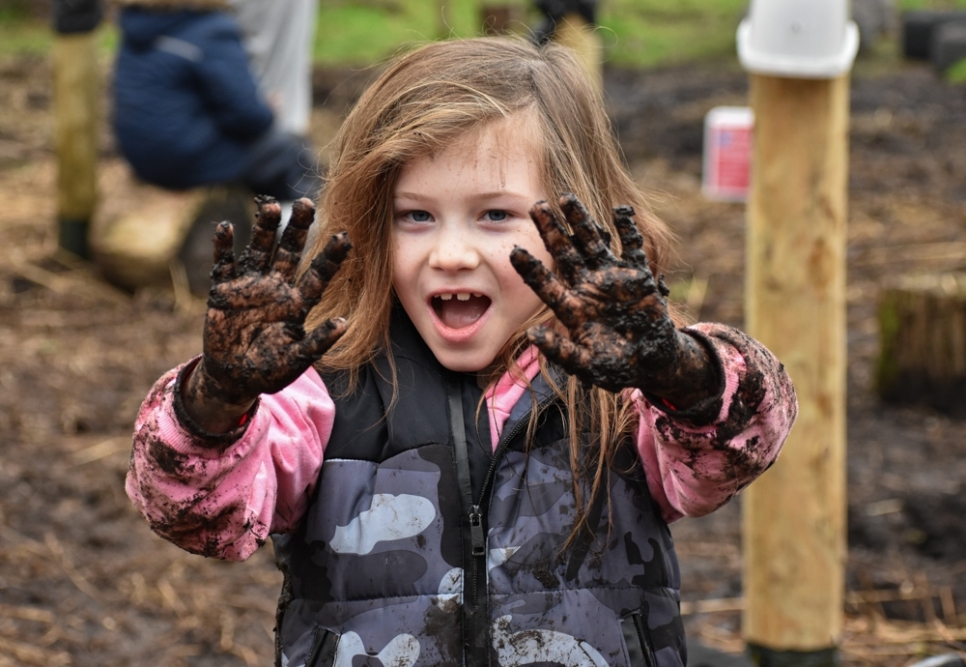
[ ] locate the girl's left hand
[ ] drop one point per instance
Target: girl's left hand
(620, 334)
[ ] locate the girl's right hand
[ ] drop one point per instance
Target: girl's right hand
(254, 340)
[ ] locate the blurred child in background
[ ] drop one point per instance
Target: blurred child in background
(187, 107)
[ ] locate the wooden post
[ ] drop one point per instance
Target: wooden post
(795, 515)
(501, 18)
(76, 89)
(577, 34)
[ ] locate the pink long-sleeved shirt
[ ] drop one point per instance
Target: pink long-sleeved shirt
(223, 500)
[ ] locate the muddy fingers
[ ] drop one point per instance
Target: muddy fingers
(561, 351)
(548, 287)
(224, 253)
(632, 243)
(318, 341)
(289, 250)
(324, 267)
(303, 215)
(258, 254)
(617, 330)
(254, 336)
(557, 241)
(587, 234)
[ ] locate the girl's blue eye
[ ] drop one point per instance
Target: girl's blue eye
(420, 216)
(496, 215)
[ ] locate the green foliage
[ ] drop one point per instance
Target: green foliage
(634, 32)
(14, 10)
(649, 32)
(957, 73)
(20, 35)
(363, 32)
(906, 5)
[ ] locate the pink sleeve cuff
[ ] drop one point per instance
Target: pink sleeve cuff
(695, 466)
(223, 499)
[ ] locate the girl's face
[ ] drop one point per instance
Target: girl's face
(457, 216)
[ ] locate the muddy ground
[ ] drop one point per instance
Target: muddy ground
(83, 581)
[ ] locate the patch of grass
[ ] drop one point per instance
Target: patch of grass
(14, 10)
(957, 73)
(905, 5)
(21, 35)
(651, 32)
(361, 33)
(636, 33)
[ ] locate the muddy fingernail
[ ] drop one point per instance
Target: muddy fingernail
(224, 231)
(542, 207)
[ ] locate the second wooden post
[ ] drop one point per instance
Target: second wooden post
(794, 516)
(76, 91)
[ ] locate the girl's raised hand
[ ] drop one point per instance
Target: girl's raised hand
(254, 340)
(619, 332)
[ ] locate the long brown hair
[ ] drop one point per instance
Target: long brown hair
(424, 101)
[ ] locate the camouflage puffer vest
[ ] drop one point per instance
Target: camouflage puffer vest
(421, 548)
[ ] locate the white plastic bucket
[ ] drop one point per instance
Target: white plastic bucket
(728, 134)
(798, 38)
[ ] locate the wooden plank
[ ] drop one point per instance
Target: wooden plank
(794, 516)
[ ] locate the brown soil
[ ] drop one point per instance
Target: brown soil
(84, 582)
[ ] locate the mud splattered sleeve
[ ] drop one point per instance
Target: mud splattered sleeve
(697, 460)
(221, 497)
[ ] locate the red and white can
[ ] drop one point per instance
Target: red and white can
(728, 133)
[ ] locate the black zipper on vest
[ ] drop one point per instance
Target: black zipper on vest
(475, 615)
(645, 639)
(471, 509)
(476, 648)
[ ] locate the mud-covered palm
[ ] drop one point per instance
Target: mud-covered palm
(254, 340)
(619, 332)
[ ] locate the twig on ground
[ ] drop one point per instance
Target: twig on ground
(171, 597)
(102, 450)
(76, 283)
(33, 655)
(27, 613)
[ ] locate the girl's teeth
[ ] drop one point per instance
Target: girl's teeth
(460, 296)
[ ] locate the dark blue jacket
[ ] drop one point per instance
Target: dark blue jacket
(186, 105)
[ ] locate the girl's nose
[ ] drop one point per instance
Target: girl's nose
(454, 250)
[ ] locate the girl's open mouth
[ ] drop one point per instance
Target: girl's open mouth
(458, 310)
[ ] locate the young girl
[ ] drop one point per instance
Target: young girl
(482, 466)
